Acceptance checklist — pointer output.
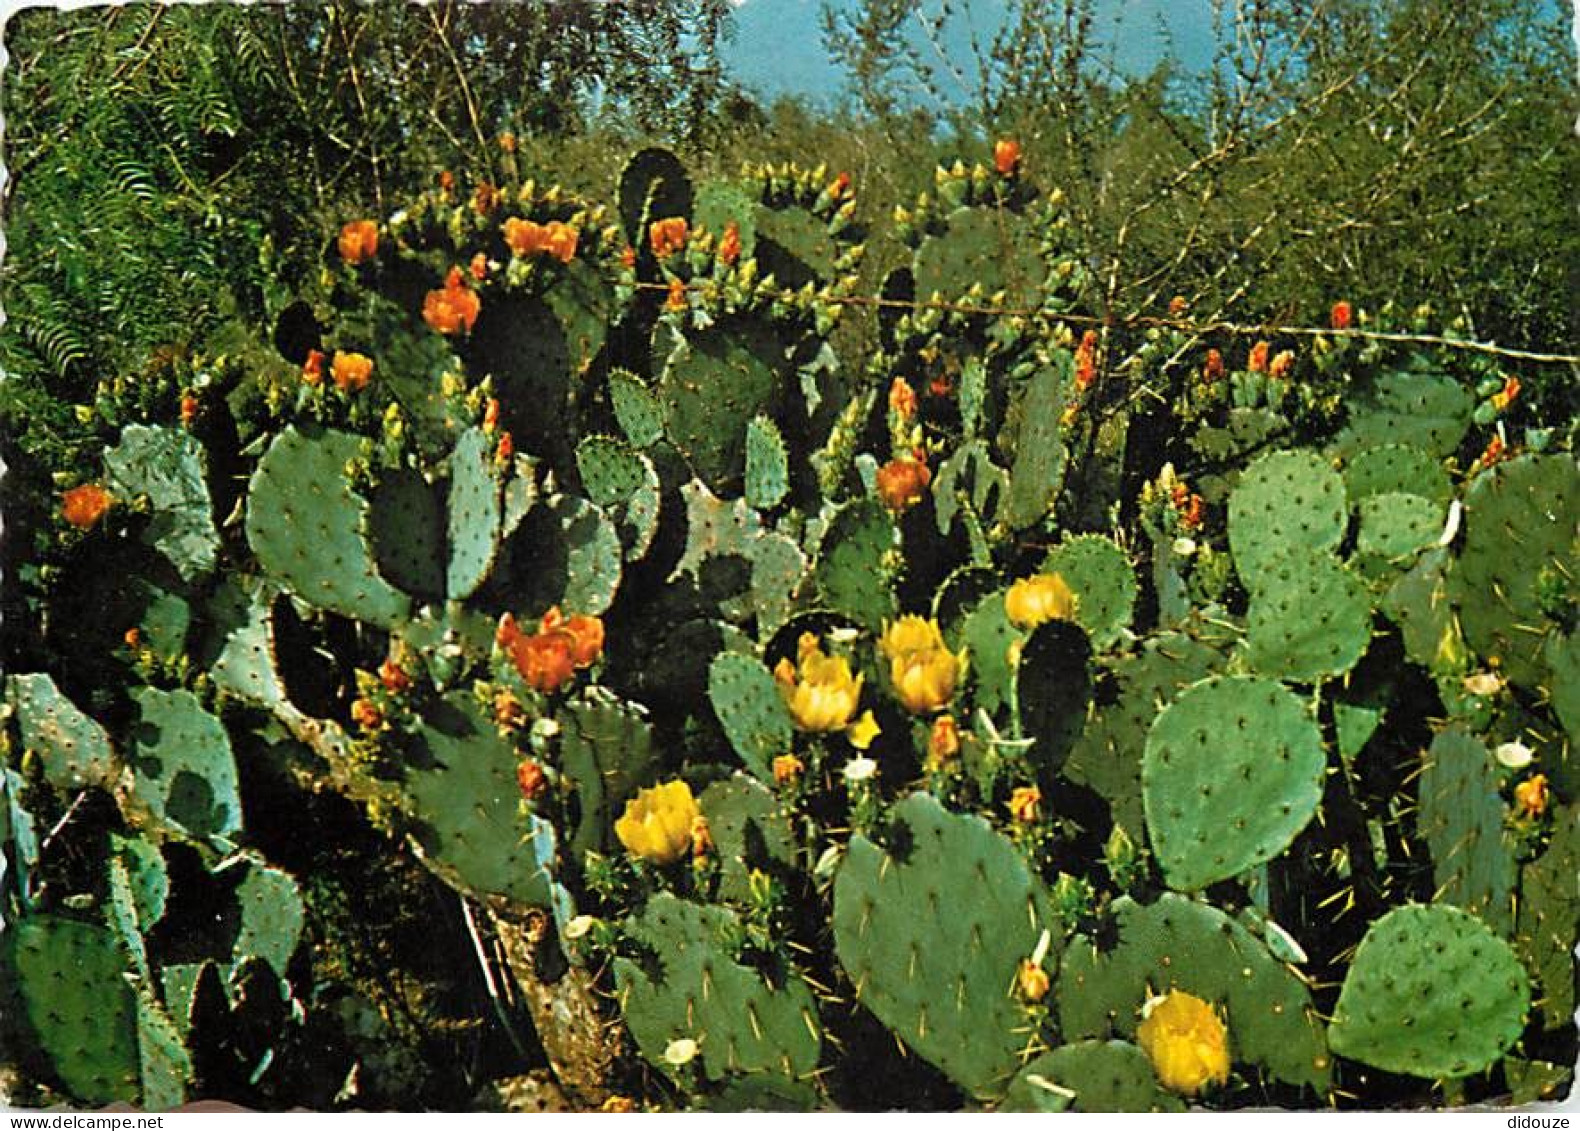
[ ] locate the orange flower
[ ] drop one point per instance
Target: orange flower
(1530, 797)
(1257, 362)
(839, 187)
(531, 779)
(491, 415)
(85, 505)
(902, 482)
(479, 267)
(545, 660)
(505, 449)
(313, 368)
(1494, 453)
(554, 239)
(730, 244)
(446, 180)
(189, 408)
(1212, 370)
(902, 399)
(787, 768)
(628, 258)
(366, 715)
(561, 241)
(943, 743)
(485, 198)
(1006, 157)
(393, 677)
(453, 308)
(133, 637)
(667, 236)
(676, 302)
(1191, 514)
(1340, 316)
(351, 371)
(1505, 396)
(359, 241)
(586, 635)
(508, 633)
(1086, 360)
(1025, 804)
(1281, 364)
(1177, 306)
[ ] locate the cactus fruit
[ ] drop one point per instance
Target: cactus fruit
(184, 774)
(932, 930)
(1285, 502)
(166, 465)
(1089, 1076)
(696, 990)
(1461, 818)
(74, 750)
(1233, 770)
(1176, 943)
(307, 526)
(1432, 993)
(1309, 619)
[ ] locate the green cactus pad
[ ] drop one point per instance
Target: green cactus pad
(990, 247)
(1396, 468)
(932, 934)
(1549, 917)
(711, 385)
(1179, 944)
(989, 638)
(1534, 1081)
(718, 203)
(464, 802)
(749, 831)
(1037, 473)
(122, 913)
(765, 1093)
(1246, 430)
(1090, 1076)
(1562, 654)
(1461, 819)
(606, 748)
(1099, 574)
(715, 528)
(183, 772)
(1417, 408)
(1285, 501)
(1232, 772)
(961, 592)
(1418, 603)
(636, 408)
(778, 569)
(742, 1023)
(406, 532)
(584, 305)
(1394, 525)
(166, 464)
(306, 525)
(1521, 518)
(73, 749)
(969, 477)
(625, 484)
(1431, 993)
(653, 186)
(164, 1064)
(1310, 618)
(855, 563)
(272, 916)
(795, 246)
(1107, 758)
(592, 556)
(473, 531)
(747, 701)
(148, 881)
(244, 665)
(75, 1000)
(767, 464)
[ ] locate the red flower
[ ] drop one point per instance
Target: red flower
(545, 660)
(1086, 360)
(531, 778)
(394, 677)
(189, 408)
(313, 368)
(1340, 316)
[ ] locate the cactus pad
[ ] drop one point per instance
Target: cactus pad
(932, 931)
(1461, 818)
(1394, 468)
(712, 383)
(74, 750)
(606, 748)
(989, 638)
(272, 917)
(1232, 772)
(1418, 408)
(1396, 525)
(653, 186)
(1038, 471)
(473, 533)
(1285, 501)
(1549, 916)
(854, 563)
(1099, 574)
(1090, 1076)
(747, 701)
(743, 1024)
(166, 465)
(990, 248)
(1310, 618)
(1431, 993)
(624, 483)
(636, 408)
(1177, 943)
(306, 523)
(183, 770)
(767, 464)
(406, 532)
(749, 832)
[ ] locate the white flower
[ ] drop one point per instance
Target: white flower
(1514, 755)
(860, 770)
(681, 1052)
(1483, 683)
(1184, 547)
(579, 926)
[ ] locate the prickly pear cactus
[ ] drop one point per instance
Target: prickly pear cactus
(74, 749)
(1090, 1076)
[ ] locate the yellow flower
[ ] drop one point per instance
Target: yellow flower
(1186, 1042)
(1025, 804)
(657, 823)
(822, 695)
(1032, 601)
(1033, 980)
(921, 667)
(787, 768)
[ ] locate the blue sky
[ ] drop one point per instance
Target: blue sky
(779, 43)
